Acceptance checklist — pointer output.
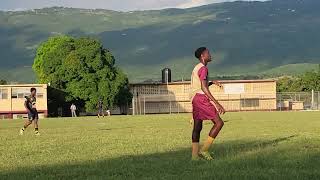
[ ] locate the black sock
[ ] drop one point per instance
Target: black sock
(36, 129)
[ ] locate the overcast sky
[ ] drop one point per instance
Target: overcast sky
(123, 5)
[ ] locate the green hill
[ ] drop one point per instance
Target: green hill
(247, 38)
(291, 69)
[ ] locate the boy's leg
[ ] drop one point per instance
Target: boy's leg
(36, 125)
(26, 124)
(218, 124)
(197, 127)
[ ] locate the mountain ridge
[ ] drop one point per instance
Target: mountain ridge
(245, 37)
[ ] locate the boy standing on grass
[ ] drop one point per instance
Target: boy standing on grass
(100, 108)
(30, 105)
(205, 106)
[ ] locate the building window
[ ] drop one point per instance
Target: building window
(148, 90)
(250, 102)
(164, 90)
(3, 93)
(20, 93)
(187, 88)
(40, 95)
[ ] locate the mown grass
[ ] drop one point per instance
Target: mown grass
(255, 145)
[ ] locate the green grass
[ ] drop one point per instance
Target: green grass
(256, 145)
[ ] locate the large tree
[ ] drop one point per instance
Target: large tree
(83, 69)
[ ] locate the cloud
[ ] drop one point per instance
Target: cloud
(193, 3)
(124, 5)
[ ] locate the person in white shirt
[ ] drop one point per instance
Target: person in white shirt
(108, 112)
(73, 109)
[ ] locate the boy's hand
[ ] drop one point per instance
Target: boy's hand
(220, 109)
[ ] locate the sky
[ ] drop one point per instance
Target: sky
(120, 5)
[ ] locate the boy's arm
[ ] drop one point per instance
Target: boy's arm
(217, 83)
(26, 105)
(205, 89)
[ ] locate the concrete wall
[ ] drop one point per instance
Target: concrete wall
(244, 95)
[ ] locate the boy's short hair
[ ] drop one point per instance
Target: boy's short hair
(199, 51)
(33, 89)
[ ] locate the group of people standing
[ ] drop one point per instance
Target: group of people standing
(73, 109)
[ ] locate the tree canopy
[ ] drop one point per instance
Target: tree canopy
(3, 82)
(306, 82)
(83, 70)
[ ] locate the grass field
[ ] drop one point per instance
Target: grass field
(255, 145)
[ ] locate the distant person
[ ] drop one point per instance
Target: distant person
(204, 105)
(30, 105)
(73, 109)
(60, 111)
(100, 109)
(108, 112)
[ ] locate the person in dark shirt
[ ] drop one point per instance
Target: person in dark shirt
(31, 108)
(100, 108)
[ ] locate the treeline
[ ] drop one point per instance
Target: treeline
(306, 82)
(3, 82)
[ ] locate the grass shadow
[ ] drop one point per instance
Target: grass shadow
(276, 163)
(237, 147)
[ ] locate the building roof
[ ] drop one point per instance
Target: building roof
(221, 81)
(25, 85)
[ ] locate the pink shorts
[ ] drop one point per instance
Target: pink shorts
(202, 108)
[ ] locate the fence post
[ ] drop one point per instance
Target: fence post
(178, 104)
(240, 103)
(170, 103)
(281, 102)
(228, 102)
(312, 99)
(144, 105)
(133, 106)
(139, 100)
(318, 100)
